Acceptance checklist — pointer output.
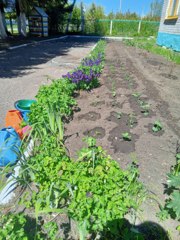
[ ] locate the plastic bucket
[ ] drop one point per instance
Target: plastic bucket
(14, 119)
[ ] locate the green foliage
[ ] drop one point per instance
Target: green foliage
(150, 45)
(136, 95)
(12, 227)
(101, 193)
(126, 136)
(54, 103)
(157, 126)
(85, 77)
(172, 205)
(93, 190)
(119, 115)
(132, 120)
(18, 226)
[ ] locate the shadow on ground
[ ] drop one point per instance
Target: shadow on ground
(145, 231)
(17, 62)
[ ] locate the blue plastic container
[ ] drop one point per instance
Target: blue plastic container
(24, 113)
(24, 106)
(9, 146)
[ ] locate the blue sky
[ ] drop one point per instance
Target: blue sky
(138, 6)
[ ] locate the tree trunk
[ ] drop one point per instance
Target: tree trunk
(23, 24)
(3, 33)
(21, 20)
(70, 16)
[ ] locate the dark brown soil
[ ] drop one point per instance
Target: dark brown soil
(128, 71)
(169, 76)
(90, 116)
(97, 132)
(118, 143)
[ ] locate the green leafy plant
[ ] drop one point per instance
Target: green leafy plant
(157, 126)
(132, 120)
(113, 91)
(136, 95)
(119, 115)
(98, 188)
(172, 204)
(144, 107)
(126, 136)
(17, 226)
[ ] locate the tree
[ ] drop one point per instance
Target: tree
(111, 15)
(92, 16)
(156, 8)
(21, 11)
(3, 28)
(70, 16)
(76, 17)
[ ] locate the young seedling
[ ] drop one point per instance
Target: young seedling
(157, 126)
(144, 107)
(119, 115)
(132, 120)
(136, 95)
(126, 136)
(113, 91)
(127, 77)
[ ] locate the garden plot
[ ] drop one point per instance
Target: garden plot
(76, 191)
(134, 94)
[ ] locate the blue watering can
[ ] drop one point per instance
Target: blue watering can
(9, 146)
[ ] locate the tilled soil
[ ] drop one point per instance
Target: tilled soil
(137, 88)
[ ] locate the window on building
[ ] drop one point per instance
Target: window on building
(173, 7)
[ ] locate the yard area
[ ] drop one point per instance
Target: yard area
(133, 114)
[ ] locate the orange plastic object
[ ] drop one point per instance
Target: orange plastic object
(14, 119)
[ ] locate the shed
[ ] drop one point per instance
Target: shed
(169, 30)
(38, 22)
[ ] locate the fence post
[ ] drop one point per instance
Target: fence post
(111, 26)
(139, 26)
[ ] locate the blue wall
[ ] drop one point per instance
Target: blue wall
(169, 40)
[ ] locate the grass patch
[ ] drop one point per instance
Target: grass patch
(149, 44)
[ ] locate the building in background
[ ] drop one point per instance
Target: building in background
(38, 22)
(169, 30)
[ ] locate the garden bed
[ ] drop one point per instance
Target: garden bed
(134, 118)
(129, 81)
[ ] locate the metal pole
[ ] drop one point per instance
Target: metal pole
(120, 5)
(139, 26)
(111, 25)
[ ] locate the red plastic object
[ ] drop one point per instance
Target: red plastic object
(14, 119)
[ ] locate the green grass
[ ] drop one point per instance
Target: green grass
(149, 44)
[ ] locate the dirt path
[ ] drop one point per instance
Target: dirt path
(111, 110)
(23, 70)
